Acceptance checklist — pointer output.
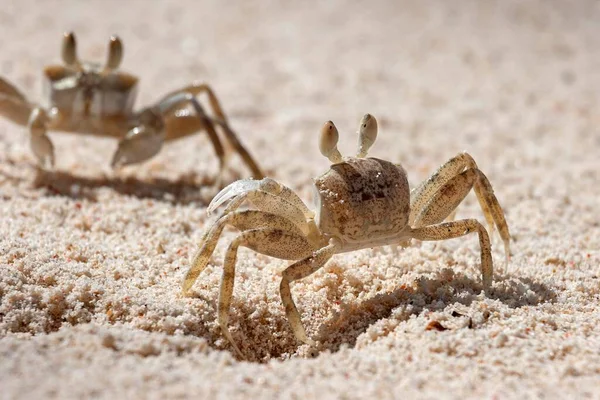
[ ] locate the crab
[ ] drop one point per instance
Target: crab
(89, 98)
(360, 203)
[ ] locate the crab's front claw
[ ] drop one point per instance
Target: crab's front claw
(39, 141)
(141, 143)
(43, 149)
(136, 147)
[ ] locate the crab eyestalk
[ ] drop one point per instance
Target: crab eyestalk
(69, 50)
(115, 53)
(367, 134)
(328, 142)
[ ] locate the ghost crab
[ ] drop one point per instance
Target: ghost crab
(88, 98)
(361, 203)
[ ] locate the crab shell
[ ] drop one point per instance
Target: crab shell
(361, 200)
(90, 97)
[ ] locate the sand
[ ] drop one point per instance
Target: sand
(91, 260)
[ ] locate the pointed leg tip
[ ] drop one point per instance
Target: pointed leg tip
(118, 161)
(507, 250)
(238, 352)
(185, 288)
(487, 288)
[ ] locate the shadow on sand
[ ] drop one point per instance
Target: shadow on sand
(344, 327)
(184, 190)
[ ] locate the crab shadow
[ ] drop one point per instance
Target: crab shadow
(184, 190)
(344, 328)
(255, 336)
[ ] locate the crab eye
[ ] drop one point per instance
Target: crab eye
(115, 53)
(328, 142)
(367, 134)
(69, 49)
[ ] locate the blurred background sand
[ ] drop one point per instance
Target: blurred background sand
(91, 260)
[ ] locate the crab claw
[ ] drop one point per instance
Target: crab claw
(137, 146)
(43, 149)
(140, 143)
(40, 142)
(231, 191)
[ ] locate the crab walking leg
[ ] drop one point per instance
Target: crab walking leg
(171, 103)
(233, 139)
(438, 185)
(491, 207)
(14, 109)
(443, 202)
(221, 120)
(272, 242)
(451, 230)
(197, 88)
(299, 270)
(8, 89)
(39, 141)
(422, 193)
(13, 104)
(242, 220)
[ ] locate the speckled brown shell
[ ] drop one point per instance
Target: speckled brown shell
(362, 199)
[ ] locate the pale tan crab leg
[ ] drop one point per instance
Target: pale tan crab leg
(221, 120)
(15, 107)
(454, 229)
(299, 270)
(197, 88)
(8, 89)
(444, 189)
(271, 242)
(242, 220)
(13, 104)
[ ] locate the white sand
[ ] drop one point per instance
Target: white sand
(91, 261)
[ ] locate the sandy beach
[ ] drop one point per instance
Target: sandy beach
(92, 259)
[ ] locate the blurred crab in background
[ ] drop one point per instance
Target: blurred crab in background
(361, 202)
(93, 99)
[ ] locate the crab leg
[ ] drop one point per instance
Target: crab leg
(299, 270)
(272, 242)
(15, 107)
(197, 88)
(454, 229)
(10, 90)
(436, 198)
(13, 104)
(220, 120)
(176, 100)
(422, 193)
(242, 220)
